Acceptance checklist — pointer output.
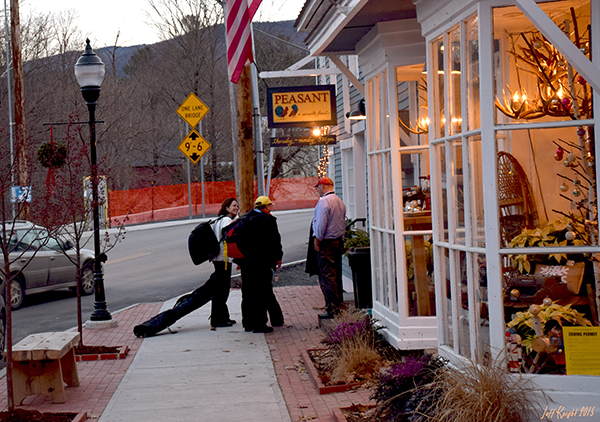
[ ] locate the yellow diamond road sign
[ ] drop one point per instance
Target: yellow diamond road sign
(192, 110)
(194, 146)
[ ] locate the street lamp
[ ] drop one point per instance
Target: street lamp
(89, 71)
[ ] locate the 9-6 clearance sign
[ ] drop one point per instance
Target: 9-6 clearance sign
(301, 106)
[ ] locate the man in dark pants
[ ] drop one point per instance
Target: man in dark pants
(262, 255)
(328, 227)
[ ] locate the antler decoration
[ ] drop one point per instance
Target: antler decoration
(421, 127)
(556, 93)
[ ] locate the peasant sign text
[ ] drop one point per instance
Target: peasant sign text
(300, 141)
(304, 106)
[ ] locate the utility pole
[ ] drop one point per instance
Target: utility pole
(245, 169)
(19, 101)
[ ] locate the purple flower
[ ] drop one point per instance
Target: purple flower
(406, 369)
(348, 330)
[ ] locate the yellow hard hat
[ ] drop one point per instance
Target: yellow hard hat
(263, 200)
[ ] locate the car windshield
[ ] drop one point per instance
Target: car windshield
(32, 240)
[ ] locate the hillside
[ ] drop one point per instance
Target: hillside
(284, 30)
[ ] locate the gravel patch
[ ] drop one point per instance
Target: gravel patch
(289, 275)
(294, 275)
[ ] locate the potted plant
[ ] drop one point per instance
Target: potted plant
(358, 251)
(562, 232)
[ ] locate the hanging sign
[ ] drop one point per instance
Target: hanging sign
(192, 110)
(194, 146)
(301, 141)
(301, 106)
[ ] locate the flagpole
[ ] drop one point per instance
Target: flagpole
(240, 47)
(258, 144)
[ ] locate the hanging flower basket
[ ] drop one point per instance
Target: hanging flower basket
(52, 155)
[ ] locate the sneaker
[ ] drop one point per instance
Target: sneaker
(326, 315)
(264, 329)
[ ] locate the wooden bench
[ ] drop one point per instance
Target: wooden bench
(43, 363)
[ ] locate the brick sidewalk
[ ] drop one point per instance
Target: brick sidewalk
(99, 379)
(300, 305)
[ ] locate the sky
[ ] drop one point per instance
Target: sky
(101, 20)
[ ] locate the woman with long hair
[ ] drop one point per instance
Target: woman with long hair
(220, 280)
(216, 288)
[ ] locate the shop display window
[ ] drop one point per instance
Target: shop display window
(381, 197)
(416, 199)
(457, 187)
(477, 213)
(547, 186)
(472, 73)
(447, 303)
(533, 81)
(417, 233)
(458, 195)
(438, 82)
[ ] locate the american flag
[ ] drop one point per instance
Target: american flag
(239, 35)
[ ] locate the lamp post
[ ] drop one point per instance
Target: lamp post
(89, 71)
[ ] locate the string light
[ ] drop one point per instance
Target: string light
(323, 162)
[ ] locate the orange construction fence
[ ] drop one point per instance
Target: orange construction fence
(170, 202)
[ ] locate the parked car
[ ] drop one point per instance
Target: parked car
(40, 263)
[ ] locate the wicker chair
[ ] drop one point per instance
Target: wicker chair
(517, 206)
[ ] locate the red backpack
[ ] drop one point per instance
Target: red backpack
(235, 237)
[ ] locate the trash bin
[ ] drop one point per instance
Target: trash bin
(359, 259)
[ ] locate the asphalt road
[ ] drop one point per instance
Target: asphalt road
(150, 265)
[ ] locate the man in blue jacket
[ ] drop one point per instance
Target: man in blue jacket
(328, 227)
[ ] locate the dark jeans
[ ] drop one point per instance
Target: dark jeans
(258, 298)
(329, 258)
(220, 286)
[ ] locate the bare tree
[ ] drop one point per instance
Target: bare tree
(195, 56)
(64, 212)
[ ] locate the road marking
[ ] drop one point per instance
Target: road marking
(125, 258)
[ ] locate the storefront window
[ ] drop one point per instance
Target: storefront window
(440, 160)
(447, 305)
(533, 80)
(472, 75)
(482, 323)
(416, 196)
(562, 291)
(547, 194)
(463, 309)
(417, 232)
(458, 191)
(438, 124)
(476, 192)
(547, 185)
(381, 199)
(454, 88)
(412, 108)
(459, 238)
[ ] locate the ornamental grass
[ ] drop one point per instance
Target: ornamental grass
(484, 392)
